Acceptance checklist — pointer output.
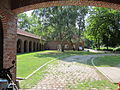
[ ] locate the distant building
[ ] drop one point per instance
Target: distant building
(28, 42)
(54, 45)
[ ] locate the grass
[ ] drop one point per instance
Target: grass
(34, 79)
(107, 61)
(29, 62)
(94, 85)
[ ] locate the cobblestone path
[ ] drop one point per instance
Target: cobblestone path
(68, 71)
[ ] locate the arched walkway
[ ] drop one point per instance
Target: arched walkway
(25, 46)
(19, 46)
(1, 45)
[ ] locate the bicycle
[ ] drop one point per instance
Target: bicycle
(6, 77)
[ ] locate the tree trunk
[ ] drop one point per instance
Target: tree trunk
(62, 48)
(72, 45)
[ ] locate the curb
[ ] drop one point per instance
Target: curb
(41, 67)
(92, 61)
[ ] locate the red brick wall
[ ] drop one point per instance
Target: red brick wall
(53, 45)
(29, 39)
(9, 33)
(1, 45)
(22, 7)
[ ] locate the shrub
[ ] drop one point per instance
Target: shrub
(117, 49)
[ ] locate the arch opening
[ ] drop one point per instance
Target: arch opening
(19, 46)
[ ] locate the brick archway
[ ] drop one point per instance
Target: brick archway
(35, 4)
(19, 46)
(9, 9)
(8, 19)
(1, 45)
(30, 46)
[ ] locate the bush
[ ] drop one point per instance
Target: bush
(107, 49)
(117, 49)
(104, 49)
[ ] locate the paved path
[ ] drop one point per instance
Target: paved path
(113, 73)
(69, 71)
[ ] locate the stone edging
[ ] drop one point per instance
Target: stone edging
(92, 61)
(41, 67)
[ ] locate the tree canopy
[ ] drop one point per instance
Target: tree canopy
(64, 23)
(103, 27)
(97, 26)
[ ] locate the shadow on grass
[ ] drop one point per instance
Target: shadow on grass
(107, 61)
(67, 54)
(62, 54)
(99, 61)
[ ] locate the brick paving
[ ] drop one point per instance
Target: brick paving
(68, 71)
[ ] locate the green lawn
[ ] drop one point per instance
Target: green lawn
(29, 62)
(107, 61)
(94, 85)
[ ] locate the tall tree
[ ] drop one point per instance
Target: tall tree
(103, 27)
(64, 23)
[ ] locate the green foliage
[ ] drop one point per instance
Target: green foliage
(63, 23)
(23, 21)
(68, 23)
(116, 49)
(103, 27)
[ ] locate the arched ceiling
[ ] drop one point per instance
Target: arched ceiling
(24, 5)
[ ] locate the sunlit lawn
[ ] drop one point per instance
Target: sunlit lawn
(107, 61)
(27, 63)
(94, 85)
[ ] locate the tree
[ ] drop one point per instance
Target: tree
(23, 21)
(103, 27)
(64, 23)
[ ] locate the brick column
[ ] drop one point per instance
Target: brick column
(32, 49)
(39, 46)
(27, 46)
(22, 47)
(1, 45)
(9, 22)
(35, 46)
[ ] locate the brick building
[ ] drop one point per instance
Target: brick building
(54, 45)
(28, 42)
(8, 22)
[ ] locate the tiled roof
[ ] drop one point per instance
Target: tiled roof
(24, 33)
